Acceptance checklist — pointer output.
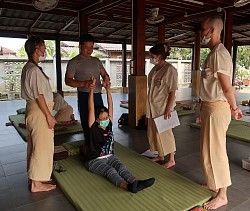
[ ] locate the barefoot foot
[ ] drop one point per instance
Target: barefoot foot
(169, 164)
(41, 187)
(215, 203)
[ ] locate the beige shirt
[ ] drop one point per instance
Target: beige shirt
(34, 83)
(160, 84)
(218, 60)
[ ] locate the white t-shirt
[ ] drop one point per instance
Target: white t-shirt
(34, 83)
(218, 60)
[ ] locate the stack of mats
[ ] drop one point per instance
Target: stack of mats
(92, 192)
(237, 129)
(58, 130)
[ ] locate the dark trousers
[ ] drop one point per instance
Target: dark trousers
(84, 112)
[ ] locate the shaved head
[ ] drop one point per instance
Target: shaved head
(215, 22)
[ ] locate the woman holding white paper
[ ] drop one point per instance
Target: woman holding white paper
(162, 85)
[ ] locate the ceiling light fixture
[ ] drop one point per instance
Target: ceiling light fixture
(45, 5)
(195, 2)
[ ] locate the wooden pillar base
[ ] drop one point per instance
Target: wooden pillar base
(196, 79)
(137, 98)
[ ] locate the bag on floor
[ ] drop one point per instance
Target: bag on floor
(123, 120)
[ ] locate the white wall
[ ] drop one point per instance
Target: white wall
(112, 66)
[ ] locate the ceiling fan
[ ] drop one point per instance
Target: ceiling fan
(240, 3)
(45, 5)
(155, 17)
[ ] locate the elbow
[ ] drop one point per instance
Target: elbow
(228, 92)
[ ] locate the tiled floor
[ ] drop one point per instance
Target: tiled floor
(14, 194)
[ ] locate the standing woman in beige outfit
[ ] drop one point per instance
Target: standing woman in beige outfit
(37, 92)
(162, 85)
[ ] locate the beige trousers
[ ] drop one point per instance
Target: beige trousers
(40, 149)
(64, 114)
(215, 118)
(164, 142)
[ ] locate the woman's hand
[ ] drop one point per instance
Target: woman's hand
(106, 82)
(237, 114)
(51, 121)
(92, 83)
(167, 113)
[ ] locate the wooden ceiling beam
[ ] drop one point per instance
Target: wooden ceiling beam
(242, 33)
(195, 16)
(96, 26)
(34, 23)
(100, 7)
(110, 18)
(30, 8)
(69, 23)
(115, 30)
(176, 5)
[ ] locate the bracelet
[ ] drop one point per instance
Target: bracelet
(234, 109)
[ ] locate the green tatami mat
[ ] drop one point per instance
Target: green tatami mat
(59, 129)
(237, 129)
(90, 192)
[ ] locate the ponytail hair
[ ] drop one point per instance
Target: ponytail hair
(160, 49)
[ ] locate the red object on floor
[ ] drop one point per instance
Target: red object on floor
(198, 208)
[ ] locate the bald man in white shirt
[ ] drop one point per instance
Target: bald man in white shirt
(218, 104)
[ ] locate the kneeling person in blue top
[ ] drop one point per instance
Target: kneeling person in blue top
(100, 158)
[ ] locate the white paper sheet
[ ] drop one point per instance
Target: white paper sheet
(165, 124)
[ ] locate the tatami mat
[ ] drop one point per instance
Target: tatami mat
(237, 129)
(91, 192)
(59, 129)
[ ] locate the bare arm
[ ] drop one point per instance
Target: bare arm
(171, 98)
(110, 102)
(228, 91)
(70, 81)
(104, 75)
(43, 106)
(91, 106)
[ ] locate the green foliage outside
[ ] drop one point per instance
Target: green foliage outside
(180, 53)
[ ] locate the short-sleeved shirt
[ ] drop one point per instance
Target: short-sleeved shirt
(160, 84)
(218, 60)
(101, 141)
(35, 83)
(83, 67)
(59, 102)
